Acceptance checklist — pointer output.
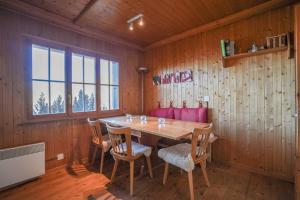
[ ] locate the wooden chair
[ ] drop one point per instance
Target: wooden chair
(186, 156)
(100, 142)
(124, 149)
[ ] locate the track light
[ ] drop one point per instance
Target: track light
(138, 17)
(131, 26)
(141, 22)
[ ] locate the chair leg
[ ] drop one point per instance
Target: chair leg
(191, 185)
(102, 160)
(166, 173)
(114, 170)
(94, 155)
(149, 166)
(204, 173)
(131, 176)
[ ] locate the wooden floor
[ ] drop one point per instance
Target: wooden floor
(81, 183)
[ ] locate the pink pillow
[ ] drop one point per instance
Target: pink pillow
(163, 112)
(177, 113)
(194, 114)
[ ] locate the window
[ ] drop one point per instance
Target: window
(109, 84)
(83, 83)
(48, 80)
(90, 82)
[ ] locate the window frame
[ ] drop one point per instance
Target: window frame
(88, 54)
(69, 114)
(109, 85)
(30, 80)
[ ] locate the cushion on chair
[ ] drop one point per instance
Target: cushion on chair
(136, 133)
(178, 155)
(136, 149)
(163, 112)
(106, 143)
(194, 114)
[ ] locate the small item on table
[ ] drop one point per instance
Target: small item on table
(129, 117)
(161, 120)
(143, 118)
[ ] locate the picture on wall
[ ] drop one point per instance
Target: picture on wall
(156, 80)
(186, 76)
(174, 77)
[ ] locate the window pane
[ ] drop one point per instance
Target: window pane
(90, 97)
(114, 73)
(77, 68)
(40, 97)
(104, 97)
(57, 65)
(114, 97)
(89, 70)
(57, 92)
(104, 71)
(77, 97)
(39, 62)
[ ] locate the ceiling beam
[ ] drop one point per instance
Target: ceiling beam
(62, 22)
(244, 14)
(86, 8)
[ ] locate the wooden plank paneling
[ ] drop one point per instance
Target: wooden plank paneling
(297, 47)
(70, 137)
(251, 103)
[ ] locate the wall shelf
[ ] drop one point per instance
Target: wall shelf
(249, 54)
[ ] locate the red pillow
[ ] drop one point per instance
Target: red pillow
(177, 113)
(163, 112)
(194, 114)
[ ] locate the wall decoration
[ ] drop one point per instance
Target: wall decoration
(186, 76)
(156, 80)
(174, 77)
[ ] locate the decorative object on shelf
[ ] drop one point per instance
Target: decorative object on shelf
(254, 48)
(174, 77)
(282, 42)
(277, 40)
(227, 47)
(262, 47)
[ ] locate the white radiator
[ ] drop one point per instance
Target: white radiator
(20, 164)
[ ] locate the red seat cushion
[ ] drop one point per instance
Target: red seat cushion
(177, 113)
(163, 112)
(194, 114)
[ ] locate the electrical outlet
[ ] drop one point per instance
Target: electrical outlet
(206, 98)
(60, 156)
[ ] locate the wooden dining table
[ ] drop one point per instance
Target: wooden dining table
(171, 128)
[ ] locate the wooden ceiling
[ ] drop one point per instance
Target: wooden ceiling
(163, 18)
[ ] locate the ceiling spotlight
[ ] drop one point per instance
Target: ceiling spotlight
(138, 18)
(131, 26)
(141, 22)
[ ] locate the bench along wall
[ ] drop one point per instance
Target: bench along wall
(251, 103)
(70, 137)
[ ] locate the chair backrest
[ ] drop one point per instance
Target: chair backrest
(95, 129)
(117, 135)
(200, 140)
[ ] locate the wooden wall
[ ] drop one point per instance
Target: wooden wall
(251, 103)
(297, 138)
(70, 137)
